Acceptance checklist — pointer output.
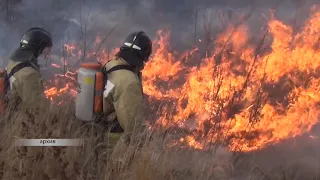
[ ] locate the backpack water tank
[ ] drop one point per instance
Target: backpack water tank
(90, 89)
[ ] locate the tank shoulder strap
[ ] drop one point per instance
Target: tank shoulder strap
(20, 66)
(118, 67)
(115, 68)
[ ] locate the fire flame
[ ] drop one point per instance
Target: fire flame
(240, 94)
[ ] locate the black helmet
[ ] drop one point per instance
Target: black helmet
(36, 39)
(140, 43)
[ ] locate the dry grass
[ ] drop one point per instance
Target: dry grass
(154, 161)
(296, 159)
(81, 162)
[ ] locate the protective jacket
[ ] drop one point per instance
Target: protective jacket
(26, 84)
(123, 102)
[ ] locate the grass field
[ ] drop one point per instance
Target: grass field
(292, 159)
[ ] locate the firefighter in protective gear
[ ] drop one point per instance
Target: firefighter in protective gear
(123, 100)
(26, 84)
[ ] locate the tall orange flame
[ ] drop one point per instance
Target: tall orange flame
(241, 95)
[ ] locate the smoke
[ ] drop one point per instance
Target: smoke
(66, 19)
(296, 158)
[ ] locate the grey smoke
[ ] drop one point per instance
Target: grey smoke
(65, 17)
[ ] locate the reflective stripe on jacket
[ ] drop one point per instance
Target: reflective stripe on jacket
(123, 100)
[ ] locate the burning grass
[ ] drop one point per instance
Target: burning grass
(155, 160)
